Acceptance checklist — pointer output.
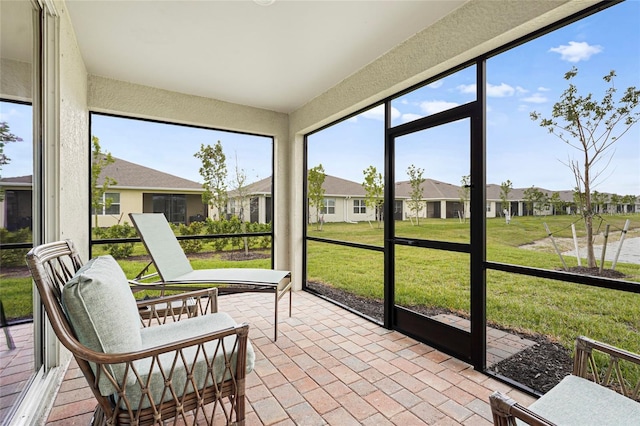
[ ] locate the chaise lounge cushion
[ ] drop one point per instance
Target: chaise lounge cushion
(103, 312)
(578, 401)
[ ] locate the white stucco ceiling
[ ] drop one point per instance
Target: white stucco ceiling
(276, 57)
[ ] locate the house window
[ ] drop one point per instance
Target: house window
(110, 204)
(359, 207)
(329, 206)
(488, 207)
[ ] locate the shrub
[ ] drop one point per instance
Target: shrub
(216, 227)
(194, 228)
(14, 257)
(261, 242)
(235, 227)
(120, 250)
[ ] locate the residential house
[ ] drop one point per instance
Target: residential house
(143, 189)
(137, 189)
(15, 203)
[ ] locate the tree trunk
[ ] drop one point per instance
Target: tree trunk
(588, 214)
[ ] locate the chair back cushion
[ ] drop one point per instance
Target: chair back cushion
(103, 312)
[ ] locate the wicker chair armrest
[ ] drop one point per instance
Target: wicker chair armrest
(612, 373)
(585, 345)
(506, 410)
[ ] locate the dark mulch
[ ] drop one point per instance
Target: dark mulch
(540, 367)
(606, 273)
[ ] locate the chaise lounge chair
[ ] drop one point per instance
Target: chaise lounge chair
(174, 268)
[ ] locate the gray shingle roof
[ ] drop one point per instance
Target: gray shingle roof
(17, 179)
(431, 189)
(135, 176)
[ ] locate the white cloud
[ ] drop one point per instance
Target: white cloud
(432, 107)
(12, 113)
(536, 98)
(377, 113)
(467, 88)
(543, 89)
(501, 91)
(576, 51)
(410, 117)
(436, 84)
(521, 90)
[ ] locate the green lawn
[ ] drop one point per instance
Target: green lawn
(441, 279)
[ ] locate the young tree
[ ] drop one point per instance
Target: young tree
(5, 137)
(464, 193)
(374, 189)
(505, 189)
(557, 203)
(416, 180)
(538, 200)
(241, 195)
(588, 126)
(99, 160)
(629, 202)
(599, 200)
(531, 195)
(214, 173)
(315, 191)
(615, 202)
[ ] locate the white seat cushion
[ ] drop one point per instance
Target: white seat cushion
(578, 401)
(186, 329)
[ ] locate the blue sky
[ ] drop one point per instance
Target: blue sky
(524, 79)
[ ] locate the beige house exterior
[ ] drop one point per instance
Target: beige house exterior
(139, 189)
(344, 201)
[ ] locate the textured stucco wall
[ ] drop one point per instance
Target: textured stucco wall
(477, 27)
(73, 146)
(118, 97)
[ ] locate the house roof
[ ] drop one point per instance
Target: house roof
(17, 179)
(134, 176)
(431, 189)
(128, 176)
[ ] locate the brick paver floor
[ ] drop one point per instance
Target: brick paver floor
(331, 367)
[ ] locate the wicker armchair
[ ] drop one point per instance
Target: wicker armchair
(179, 359)
(597, 393)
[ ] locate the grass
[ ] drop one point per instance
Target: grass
(442, 279)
